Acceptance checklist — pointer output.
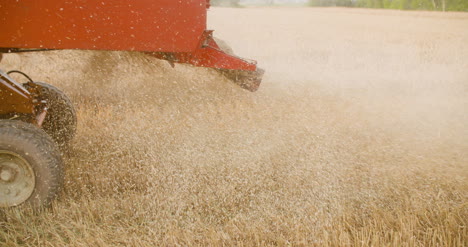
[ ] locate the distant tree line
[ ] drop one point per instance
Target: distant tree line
(440, 5)
(228, 3)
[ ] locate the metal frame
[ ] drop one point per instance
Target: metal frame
(19, 102)
(167, 29)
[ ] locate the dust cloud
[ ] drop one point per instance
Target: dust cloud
(361, 118)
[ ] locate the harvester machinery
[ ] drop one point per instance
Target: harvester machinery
(37, 120)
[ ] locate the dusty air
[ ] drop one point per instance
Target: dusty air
(233, 123)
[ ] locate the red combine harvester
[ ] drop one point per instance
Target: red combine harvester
(36, 119)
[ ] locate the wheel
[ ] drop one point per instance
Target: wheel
(31, 168)
(60, 121)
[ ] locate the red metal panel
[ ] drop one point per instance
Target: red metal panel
(141, 25)
(208, 54)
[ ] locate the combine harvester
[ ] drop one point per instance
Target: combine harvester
(37, 118)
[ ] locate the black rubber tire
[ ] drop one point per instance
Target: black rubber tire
(60, 122)
(41, 154)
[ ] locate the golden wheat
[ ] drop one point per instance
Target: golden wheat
(358, 137)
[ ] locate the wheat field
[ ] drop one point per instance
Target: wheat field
(358, 136)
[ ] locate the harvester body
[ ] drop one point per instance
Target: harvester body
(167, 29)
(37, 118)
(139, 25)
(172, 30)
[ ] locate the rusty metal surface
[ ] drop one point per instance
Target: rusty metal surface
(14, 98)
(140, 25)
